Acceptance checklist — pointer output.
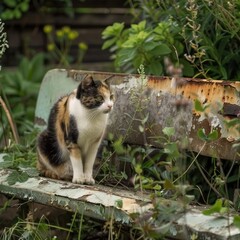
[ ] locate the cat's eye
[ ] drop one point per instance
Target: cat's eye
(111, 96)
(100, 99)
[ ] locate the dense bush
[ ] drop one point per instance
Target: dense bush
(201, 36)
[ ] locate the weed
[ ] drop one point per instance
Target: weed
(60, 42)
(27, 229)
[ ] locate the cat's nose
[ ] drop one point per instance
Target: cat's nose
(109, 105)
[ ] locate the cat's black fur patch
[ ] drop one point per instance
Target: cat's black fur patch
(73, 131)
(47, 140)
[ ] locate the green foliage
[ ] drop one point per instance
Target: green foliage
(19, 89)
(212, 136)
(13, 9)
(199, 106)
(21, 158)
(141, 44)
(202, 36)
(218, 207)
(158, 222)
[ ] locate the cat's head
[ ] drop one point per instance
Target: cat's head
(95, 94)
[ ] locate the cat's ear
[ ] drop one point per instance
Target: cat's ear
(107, 80)
(85, 83)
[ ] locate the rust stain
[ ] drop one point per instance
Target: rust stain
(207, 91)
(222, 101)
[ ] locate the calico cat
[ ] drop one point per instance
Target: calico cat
(67, 148)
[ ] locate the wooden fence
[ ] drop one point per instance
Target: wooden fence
(89, 18)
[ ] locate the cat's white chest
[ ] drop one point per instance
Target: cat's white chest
(91, 124)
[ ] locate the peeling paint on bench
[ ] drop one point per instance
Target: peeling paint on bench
(101, 202)
(95, 201)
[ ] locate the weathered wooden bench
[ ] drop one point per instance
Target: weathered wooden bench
(161, 104)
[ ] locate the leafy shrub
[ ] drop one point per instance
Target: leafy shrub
(19, 89)
(142, 44)
(13, 9)
(202, 36)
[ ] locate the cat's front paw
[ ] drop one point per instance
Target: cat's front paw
(89, 180)
(79, 180)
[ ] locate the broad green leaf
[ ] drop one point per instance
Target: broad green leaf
(198, 106)
(154, 68)
(201, 134)
(212, 136)
(150, 45)
(126, 55)
(216, 208)
(17, 176)
(171, 149)
(169, 131)
(188, 70)
(108, 43)
(161, 50)
(138, 60)
(112, 31)
(135, 28)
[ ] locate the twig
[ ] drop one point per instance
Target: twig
(206, 179)
(195, 159)
(10, 120)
